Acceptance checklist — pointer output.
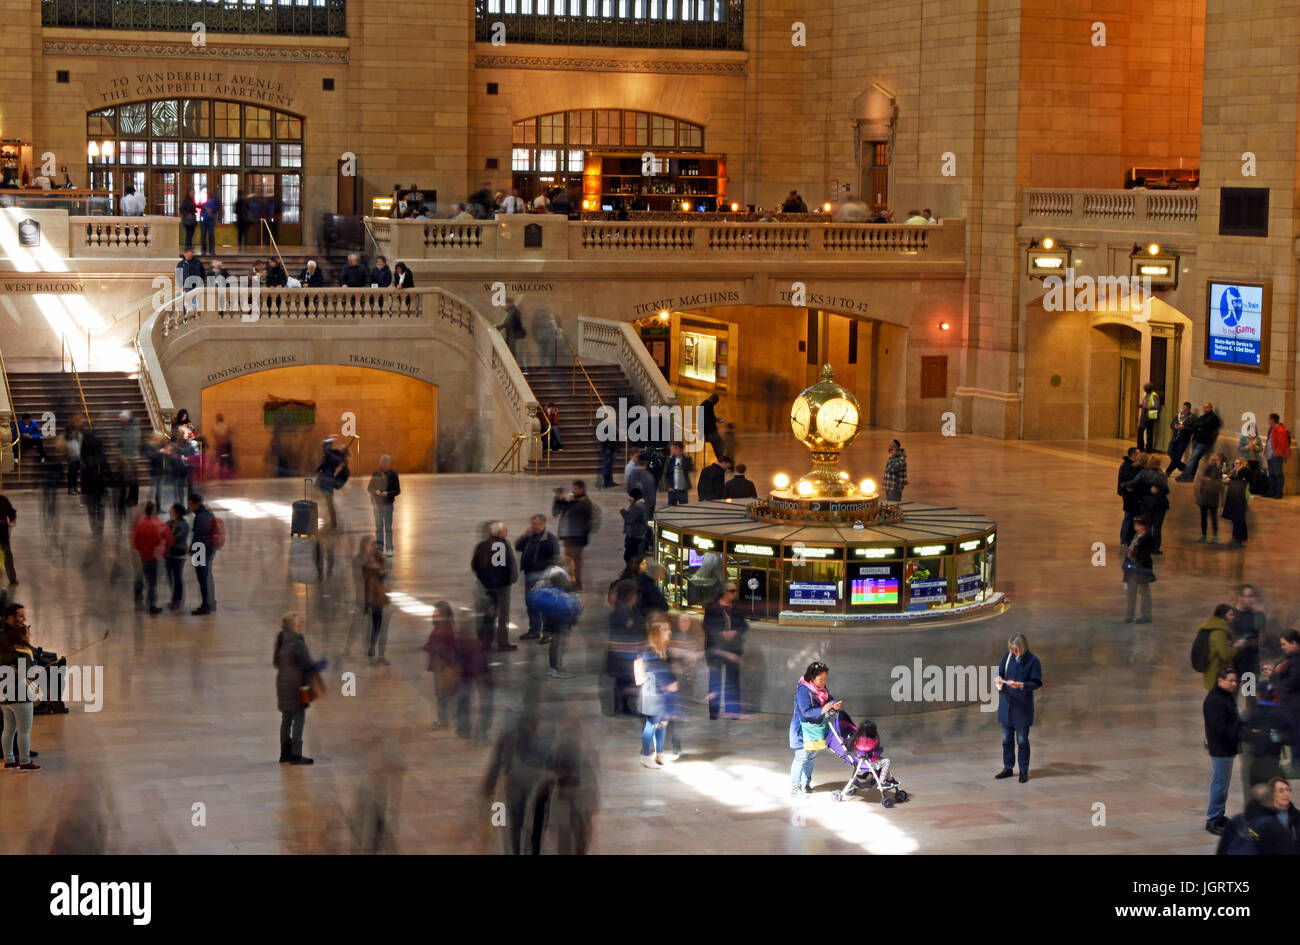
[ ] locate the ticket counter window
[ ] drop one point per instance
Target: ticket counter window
(759, 582)
(674, 558)
(699, 357)
(973, 576)
(814, 585)
(927, 583)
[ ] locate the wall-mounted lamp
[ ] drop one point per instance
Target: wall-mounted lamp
(944, 326)
(1150, 262)
(1046, 258)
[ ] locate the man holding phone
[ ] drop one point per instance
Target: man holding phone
(579, 518)
(1019, 674)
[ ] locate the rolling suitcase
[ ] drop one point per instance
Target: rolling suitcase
(305, 518)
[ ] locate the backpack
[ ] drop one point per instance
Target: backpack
(218, 533)
(1201, 650)
(1242, 838)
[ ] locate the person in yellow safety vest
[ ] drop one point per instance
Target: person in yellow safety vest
(1150, 414)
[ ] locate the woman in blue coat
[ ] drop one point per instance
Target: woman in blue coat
(808, 726)
(1019, 674)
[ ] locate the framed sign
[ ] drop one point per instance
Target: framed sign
(1237, 316)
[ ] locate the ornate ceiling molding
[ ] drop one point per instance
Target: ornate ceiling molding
(60, 47)
(573, 64)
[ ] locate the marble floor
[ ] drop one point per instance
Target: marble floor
(182, 756)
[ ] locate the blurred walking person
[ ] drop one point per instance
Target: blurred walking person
(176, 554)
(724, 643)
(441, 647)
(375, 572)
(16, 647)
(295, 674)
(654, 676)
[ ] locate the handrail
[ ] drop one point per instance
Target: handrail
(517, 444)
(72, 362)
(150, 395)
(9, 401)
(578, 361)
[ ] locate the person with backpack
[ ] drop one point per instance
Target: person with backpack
(1258, 830)
(1213, 647)
(1277, 450)
(1222, 726)
(209, 534)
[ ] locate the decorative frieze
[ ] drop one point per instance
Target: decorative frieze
(131, 50)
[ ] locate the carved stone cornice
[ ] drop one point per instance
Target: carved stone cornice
(136, 50)
(600, 64)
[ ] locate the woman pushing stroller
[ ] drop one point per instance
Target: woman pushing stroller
(808, 725)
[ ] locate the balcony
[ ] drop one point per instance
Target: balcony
(1147, 211)
(540, 237)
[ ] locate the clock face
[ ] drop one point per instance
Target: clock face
(799, 417)
(837, 421)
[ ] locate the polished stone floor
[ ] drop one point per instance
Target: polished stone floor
(182, 757)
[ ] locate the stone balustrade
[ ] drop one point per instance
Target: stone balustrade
(551, 238)
(603, 341)
(123, 237)
(1162, 211)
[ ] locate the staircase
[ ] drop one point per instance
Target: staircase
(108, 393)
(567, 388)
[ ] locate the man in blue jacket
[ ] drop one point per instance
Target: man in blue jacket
(1019, 674)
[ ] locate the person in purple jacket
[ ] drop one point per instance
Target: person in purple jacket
(808, 726)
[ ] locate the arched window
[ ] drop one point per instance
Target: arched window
(166, 146)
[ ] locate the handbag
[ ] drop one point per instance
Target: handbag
(313, 690)
(651, 702)
(814, 735)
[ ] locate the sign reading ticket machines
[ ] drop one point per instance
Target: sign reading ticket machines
(1237, 317)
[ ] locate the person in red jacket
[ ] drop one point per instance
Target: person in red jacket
(1277, 450)
(151, 540)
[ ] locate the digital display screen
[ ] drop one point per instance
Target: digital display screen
(1236, 324)
(693, 558)
(869, 591)
(812, 594)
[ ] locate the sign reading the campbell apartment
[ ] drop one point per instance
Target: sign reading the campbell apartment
(196, 82)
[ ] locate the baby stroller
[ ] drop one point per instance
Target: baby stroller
(844, 738)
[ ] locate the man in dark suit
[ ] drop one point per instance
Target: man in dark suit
(353, 275)
(713, 480)
(677, 474)
(739, 487)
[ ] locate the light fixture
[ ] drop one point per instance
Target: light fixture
(1153, 266)
(735, 207)
(106, 149)
(92, 150)
(1046, 258)
(867, 486)
(1048, 242)
(1153, 249)
(664, 316)
(686, 206)
(944, 326)
(826, 207)
(805, 488)
(780, 480)
(844, 475)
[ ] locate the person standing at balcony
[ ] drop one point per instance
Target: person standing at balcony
(311, 277)
(353, 275)
(512, 204)
(132, 204)
(276, 277)
(208, 232)
(929, 216)
(884, 216)
(189, 217)
(791, 203)
(916, 218)
(402, 278)
(1277, 450)
(381, 277)
(1149, 415)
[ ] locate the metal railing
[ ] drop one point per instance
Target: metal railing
(279, 17)
(573, 387)
(512, 455)
(64, 345)
(726, 32)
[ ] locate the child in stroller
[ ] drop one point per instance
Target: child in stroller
(858, 746)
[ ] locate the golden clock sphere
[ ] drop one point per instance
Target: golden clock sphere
(826, 415)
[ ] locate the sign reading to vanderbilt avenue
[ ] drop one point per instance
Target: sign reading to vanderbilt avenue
(196, 82)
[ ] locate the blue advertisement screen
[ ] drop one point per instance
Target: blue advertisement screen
(812, 594)
(1236, 324)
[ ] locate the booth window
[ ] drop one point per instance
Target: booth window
(699, 359)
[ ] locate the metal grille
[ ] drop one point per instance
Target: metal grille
(281, 17)
(721, 27)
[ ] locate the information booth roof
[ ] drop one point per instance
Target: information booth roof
(730, 520)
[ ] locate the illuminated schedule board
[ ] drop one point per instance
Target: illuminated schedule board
(1237, 320)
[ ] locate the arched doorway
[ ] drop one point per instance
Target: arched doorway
(164, 147)
(389, 413)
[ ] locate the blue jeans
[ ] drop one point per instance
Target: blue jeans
(1177, 447)
(652, 736)
(1194, 460)
(801, 770)
(1276, 477)
(1021, 736)
(727, 698)
(1220, 778)
(384, 525)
